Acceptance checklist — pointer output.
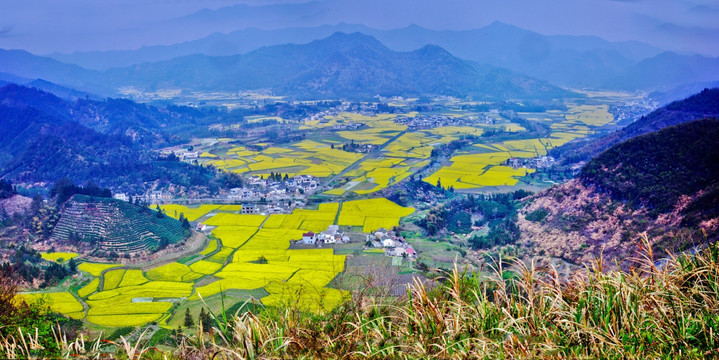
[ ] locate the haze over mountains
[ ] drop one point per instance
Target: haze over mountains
(575, 61)
(341, 65)
(359, 66)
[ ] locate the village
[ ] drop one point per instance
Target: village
(275, 188)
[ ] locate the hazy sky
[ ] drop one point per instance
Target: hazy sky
(44, 26)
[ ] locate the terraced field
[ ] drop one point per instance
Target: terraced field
(115, 225)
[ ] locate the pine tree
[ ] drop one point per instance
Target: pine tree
(206, 320)
(188, 319)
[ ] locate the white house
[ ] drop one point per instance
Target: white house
(329, 239)
(309, 238)
(389, 243)
(120, 196)
(191, 155)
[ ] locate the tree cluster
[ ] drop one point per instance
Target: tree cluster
(6, 189)
(66, 188)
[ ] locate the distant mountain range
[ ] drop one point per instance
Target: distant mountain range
(354, 66)
(574, 61)
(500, 62)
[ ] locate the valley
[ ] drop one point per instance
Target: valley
(335, 168)
(342, 180)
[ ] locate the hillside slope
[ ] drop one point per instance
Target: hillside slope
(43, 140)
(665, 183)
(108, 225)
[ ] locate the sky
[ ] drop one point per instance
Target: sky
(47, 26)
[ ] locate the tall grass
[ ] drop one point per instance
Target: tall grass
(520, 311)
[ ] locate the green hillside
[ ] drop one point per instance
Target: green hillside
(654, 170)
(114, 225)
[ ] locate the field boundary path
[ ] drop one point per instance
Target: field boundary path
(369, 155)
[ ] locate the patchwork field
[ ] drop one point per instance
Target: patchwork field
(250, 255)
(484, 166)
(254, 257)
(477, 170)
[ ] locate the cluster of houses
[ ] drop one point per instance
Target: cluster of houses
(433, 121)
(538, 162)
(330, 236)
(392, 244)
(190, 155)
(150, 196)
(347, 126)
(260, 187)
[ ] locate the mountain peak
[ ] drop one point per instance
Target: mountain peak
(341, 41)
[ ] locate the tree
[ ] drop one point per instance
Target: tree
(72, 265)
(205, 320)
(188, 319)
(439, 183)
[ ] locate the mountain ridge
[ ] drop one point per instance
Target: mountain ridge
(288, 69)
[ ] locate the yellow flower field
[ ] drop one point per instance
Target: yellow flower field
(191, 213)
(58, 257)
(95, 269)
(382, 213)
(88, 289)
(62, 302)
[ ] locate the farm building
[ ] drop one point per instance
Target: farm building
(309, 238)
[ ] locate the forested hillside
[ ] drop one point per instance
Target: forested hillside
(43, 140)
(665, 184)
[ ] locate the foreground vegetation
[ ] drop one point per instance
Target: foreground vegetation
(658, 309)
